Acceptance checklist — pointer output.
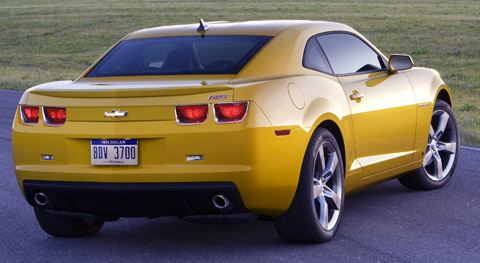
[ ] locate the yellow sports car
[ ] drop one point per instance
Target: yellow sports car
(277, 118)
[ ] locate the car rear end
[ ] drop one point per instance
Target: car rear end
(146, 146)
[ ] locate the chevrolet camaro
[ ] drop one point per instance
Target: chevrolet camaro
(277, 118)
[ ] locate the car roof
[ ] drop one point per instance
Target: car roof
(265, 28)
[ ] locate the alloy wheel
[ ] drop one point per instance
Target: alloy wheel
(327, 185)
(442, 145)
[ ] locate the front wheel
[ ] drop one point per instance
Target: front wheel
(315, 213)
(441, 155)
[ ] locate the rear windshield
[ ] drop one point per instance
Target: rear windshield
(179, 56)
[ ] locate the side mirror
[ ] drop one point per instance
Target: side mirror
(399, 62)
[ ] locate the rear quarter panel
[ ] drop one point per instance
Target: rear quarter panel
(303, 103)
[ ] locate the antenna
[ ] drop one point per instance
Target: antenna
(203, 27)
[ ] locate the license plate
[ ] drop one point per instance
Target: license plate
(114, 151)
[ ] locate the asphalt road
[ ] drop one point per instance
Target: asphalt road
(386, 223)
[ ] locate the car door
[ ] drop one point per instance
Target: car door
(382, 104)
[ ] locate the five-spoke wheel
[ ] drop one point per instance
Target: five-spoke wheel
(315, 213)
(442, 146)
(441, 154)
(327, 186)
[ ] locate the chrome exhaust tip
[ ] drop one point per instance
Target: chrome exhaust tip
(220, 201)
(41, 199)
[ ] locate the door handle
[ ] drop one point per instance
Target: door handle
(356, 95)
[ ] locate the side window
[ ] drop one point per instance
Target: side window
(348, 54)
(313, 57)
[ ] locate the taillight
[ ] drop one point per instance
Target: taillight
(29, 114)
(191, 114)
(230, 112)
(54, 115)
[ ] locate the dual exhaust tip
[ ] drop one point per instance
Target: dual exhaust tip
(40, 199)
(220, 201)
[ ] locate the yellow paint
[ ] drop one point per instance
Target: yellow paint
(382, 126)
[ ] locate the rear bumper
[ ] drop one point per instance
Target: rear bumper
(135, 199)
(263, 167)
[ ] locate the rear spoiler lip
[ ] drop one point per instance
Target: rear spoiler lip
(137, 88)
(130, 92)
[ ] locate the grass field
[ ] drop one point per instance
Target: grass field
(43, 41)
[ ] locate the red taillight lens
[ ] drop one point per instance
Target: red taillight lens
(191, 114)
(29, 114)
(231, 112)
(55, 115)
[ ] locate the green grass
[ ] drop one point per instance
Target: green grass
(43, 41)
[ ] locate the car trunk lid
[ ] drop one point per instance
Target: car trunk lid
(143, 100)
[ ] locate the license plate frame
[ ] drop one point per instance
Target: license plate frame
(113, 152)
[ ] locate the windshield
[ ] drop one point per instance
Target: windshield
(179, 55)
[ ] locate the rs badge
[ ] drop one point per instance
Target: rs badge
(115, 114)
(217, 97)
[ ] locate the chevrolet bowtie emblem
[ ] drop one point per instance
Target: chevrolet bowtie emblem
(115, 114)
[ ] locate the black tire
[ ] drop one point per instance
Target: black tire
(316, 219)
(66, 226)
(442, 152)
